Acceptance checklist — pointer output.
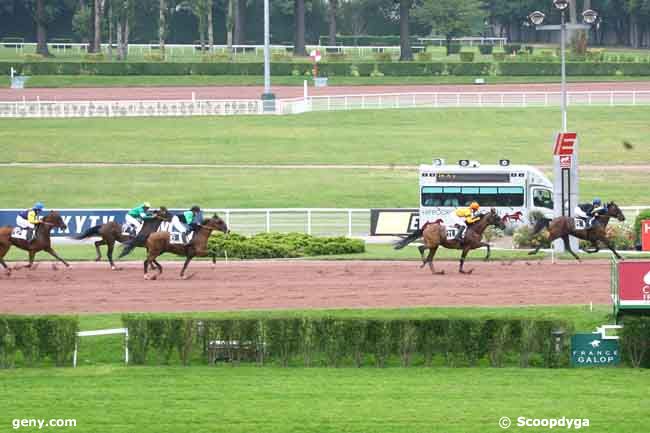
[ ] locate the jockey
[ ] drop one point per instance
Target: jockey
(590, 211)
(465, 217)
(189, 220)
(136, 216)
(29, 218)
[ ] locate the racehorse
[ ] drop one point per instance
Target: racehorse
(563, 226)
(434, 235)
(41, 241)
(159, 243)
(111, 232)
(516, 217)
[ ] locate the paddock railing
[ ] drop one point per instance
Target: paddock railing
(195, 107)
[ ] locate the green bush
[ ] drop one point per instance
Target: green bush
(635, 340)
(469, 68)
(424, 57)
(643, 215)
(215, 57)
(38, 339)
(512, 48)
(485, 49)
(334, 341)
(523, 238)
(453, 49)
(467, 56)
(336, 57)
(384, 56)
(621, 236)
(529, 49)
(280, 245)
(94, 57)
(498, 56)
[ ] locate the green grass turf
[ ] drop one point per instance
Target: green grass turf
(39, 81)
(253, 188)
(248, 399)
(362, 137)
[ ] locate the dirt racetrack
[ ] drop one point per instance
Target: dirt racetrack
(91, 287)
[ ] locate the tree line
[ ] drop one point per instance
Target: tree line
(623, 22)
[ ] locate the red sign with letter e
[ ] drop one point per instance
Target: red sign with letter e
(645, 235)
(565, 143)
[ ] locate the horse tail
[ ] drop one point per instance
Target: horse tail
(93, 231)
(540, 225)
(398, 245)
(127, 247)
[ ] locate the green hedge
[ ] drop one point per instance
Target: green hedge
(329, 341)
(511, 67)
(281, 245)
(635, 340)
(643, 215)
(33, 339)
(368, 40)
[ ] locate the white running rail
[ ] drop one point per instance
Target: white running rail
(196, 107)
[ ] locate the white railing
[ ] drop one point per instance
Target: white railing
(186, 50)
(67, 109)
(317, 221)
(461, 99)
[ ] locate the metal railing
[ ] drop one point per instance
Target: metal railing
(461, 100)
(68, 109)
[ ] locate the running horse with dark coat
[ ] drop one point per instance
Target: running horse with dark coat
(41, 241)
(111, 232)
(563, 226)
(434, 235)
(159, 243)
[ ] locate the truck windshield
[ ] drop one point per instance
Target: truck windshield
(486, 196)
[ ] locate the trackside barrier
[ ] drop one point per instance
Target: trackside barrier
(116, 331)
(196, 107)
(314, 221)
(630, 284)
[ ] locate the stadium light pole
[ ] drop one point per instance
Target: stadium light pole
(268, 98)
(565, 179)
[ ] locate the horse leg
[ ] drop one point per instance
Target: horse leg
(421, 248)
(29, 265)
(486, 245)
(428, 258)
(53, 253)
(611, 248)
(432, 254)
(3, 252)
(99, 253)
(187, 262)
(155, 262)
(595, 250)
(109, 254)
(146, 266)
(567, 246)
(462, 262)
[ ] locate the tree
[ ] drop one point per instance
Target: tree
(162, 26)
(333, 10)
(99, 11)
(44, 12)
(239, 38)
(451, 18)
(299, 48)
(404, 33)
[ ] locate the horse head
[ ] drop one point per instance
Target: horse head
(494, 219)
(216, 223)
(53, 219)
(614, 211)
(163, 214)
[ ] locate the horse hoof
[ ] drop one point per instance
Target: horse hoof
(438, 273)
(54, 267)
(98, 259)
(114, 268)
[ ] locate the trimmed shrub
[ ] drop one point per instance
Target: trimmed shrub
(424, 57)
(469, 68)
(337, 341)
(37, 338)
(485, 49)
(635, 340)
(498, 56)
(94, 57)
(467, 56)
(279, 245)
(384, 56)
(643, 215)
(529, 49)
(523, 238)
(453, 49)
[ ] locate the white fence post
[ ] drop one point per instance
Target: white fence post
(268, 221)
(349, 223)
(309, 221)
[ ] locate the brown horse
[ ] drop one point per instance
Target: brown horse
(435, 235)
(41, 240)
(159, 243)
(562, 227)
(111, 232)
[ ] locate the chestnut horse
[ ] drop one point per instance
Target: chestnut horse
(111, 232)
(563, 226)
(435, 235)
(41, 241)
(159, 243)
